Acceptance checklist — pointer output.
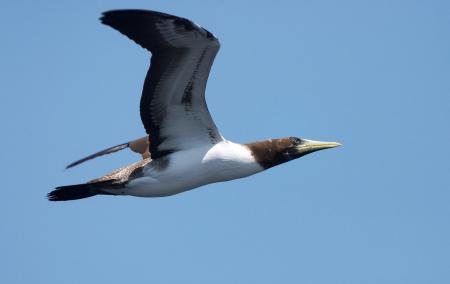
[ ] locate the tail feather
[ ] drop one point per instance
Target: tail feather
(78, 191)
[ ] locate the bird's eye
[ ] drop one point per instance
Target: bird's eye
(296, 140)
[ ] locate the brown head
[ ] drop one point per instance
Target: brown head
(270, 153)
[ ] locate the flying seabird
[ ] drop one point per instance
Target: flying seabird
(183, 149)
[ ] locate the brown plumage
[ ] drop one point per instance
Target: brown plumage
(124, 174)
(269, 153)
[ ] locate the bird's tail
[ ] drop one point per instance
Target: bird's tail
(79, 191)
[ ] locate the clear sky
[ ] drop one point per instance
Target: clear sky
(373, 75)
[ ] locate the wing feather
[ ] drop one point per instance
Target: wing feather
(173, 107)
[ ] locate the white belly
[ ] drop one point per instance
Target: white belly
(193, 168)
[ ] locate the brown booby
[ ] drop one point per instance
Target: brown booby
(183, 149)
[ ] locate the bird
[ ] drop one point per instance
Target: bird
(183, 148)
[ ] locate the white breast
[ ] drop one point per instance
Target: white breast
(196, 167)
(228, 160)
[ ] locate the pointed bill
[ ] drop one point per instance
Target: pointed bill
(309, 146)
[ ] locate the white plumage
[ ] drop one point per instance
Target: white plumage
(195, 167)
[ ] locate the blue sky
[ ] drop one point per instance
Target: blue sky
(373, 75)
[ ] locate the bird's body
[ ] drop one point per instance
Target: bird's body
(188, 169)
(183, 149)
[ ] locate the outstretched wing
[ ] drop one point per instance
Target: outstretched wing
(173, 107)
(140, 146)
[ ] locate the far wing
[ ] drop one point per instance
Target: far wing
(173, 107)
(140, 146)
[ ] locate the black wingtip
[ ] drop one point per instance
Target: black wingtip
(74, 164)
(116, 17)
(141, 27)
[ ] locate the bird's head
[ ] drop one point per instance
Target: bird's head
(270, 153)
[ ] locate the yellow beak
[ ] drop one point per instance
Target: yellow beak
(309, 146)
